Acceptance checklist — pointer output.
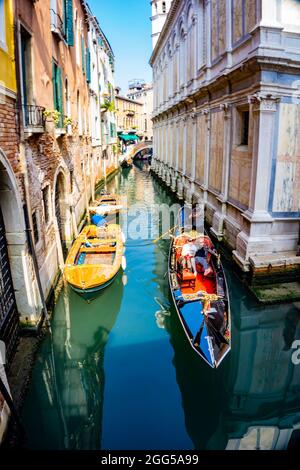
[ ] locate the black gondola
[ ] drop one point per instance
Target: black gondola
(201, 298)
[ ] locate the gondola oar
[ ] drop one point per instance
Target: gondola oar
(168, 231)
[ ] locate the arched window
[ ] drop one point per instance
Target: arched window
(201, 36)
(191, 44)
(182, 54)
(175, 63)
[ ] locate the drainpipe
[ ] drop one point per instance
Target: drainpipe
(298, 251)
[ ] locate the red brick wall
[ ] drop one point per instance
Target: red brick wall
(8, 132)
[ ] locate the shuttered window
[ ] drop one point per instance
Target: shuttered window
(83, 54)
(88, 65)
(68, 22)
(113, 130)
(58, 92)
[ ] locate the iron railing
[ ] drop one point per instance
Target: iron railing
(34, 117)
(9, 317)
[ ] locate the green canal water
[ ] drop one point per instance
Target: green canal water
(118, 373)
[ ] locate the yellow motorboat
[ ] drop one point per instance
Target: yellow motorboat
(94, 259)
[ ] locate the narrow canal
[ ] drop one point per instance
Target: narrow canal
(118, 373)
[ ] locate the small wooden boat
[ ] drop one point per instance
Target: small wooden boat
(106, 204)
(94, 259)
(201, 299)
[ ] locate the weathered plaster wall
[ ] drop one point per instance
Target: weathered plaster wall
(287, 171)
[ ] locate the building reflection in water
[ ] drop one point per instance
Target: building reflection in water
(253, 400)
(72, 373)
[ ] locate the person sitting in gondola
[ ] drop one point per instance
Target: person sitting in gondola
(187, 258)
(202, 257)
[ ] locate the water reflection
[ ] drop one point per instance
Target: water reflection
(126, 377)
(69, 401)
(253, 401)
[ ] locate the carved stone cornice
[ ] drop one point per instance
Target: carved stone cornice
(206, 113)
(183, 35)
(194, 18)
(193, 115)
(226, 108)
(263, 102)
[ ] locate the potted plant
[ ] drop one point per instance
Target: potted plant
(108, 106)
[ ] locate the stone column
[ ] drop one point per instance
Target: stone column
(208, 37)
(179, 175)
(170, 77)
(256, 234)
(229, 32)
(204, 186)
(194, 145)
(185, 124)
(175, 156)
(177, 65)
(270, 13)
(220, 214)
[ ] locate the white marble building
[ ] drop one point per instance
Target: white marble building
(226, 117)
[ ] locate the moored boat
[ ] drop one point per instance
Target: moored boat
(94, 259)
(200, 294)
(106, 204)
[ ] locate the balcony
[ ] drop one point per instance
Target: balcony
(57, 25)
(33, 119)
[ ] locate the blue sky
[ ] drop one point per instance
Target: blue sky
(127, 26)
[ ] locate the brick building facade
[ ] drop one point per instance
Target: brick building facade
(57, 141)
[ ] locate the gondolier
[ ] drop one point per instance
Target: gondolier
(200, 297)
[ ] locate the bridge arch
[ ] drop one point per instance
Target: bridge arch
(145, 145)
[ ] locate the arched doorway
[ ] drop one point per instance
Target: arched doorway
(9, 316)
(60, 210)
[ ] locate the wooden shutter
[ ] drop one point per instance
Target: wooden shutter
(60, 106)
(54, 84)
(83, 54)
(69, 22)
(88, 65)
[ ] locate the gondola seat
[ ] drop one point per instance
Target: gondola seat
(187, 278)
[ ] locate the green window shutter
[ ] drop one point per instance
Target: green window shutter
(88, 65)
(83, 54)
(54, 66)
(60, 106)
(69, 22)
